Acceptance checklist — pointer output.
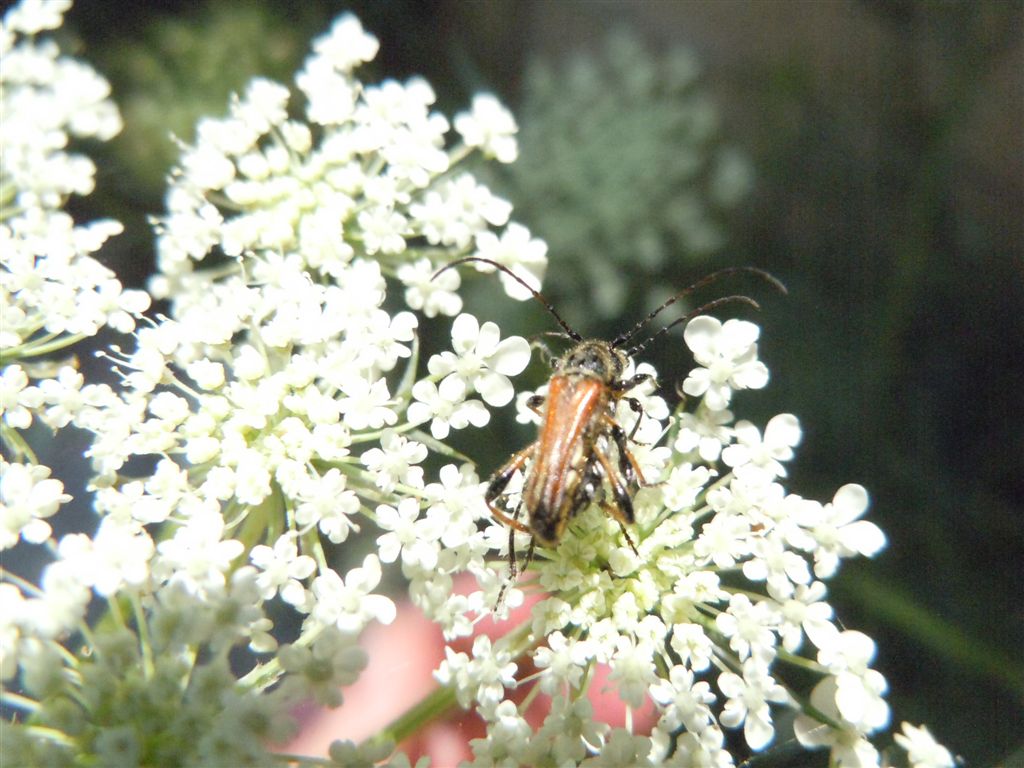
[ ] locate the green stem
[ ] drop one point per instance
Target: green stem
(41, 347)
(433, 706)
(442, 699)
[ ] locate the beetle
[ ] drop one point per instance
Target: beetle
(571, 463)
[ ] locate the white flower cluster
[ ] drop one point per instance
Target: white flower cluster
(727, 586)
(51, 287)
(282, 409)
(270, 406)
(52, 291)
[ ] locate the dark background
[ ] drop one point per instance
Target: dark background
(885, 143)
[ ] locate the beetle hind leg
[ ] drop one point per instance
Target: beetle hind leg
(622, 508)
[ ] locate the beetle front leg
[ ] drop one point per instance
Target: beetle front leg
(500, 480)
(634, 381)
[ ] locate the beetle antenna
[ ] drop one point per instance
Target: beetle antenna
(535, 293)
(623, 338)
(699, 311)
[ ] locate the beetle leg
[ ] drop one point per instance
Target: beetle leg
(622, 509)
(534, 402)
(627, 462)
(500, 480)
(634, 405)
(624, 385)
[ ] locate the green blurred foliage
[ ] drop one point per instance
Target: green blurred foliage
(182, 68)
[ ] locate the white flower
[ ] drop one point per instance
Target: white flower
(515, 249)
(196, 555)
(858, 688)
(33, 16)
(383, 230)
(923, 751)
(704, 432)
(728, 354)
(482, 677)
(282, 569)
(848, 745)
(347, 45)
(482, 359)
(805, 610)
(431, 296)
(445, 406)
(622, 748)
(117, 556)
(562, 662)
(752, 453)
(686, 701)
(367, 404)
(333, 661)
(489, 126)
(837, 532)
(693, 645)
(28, 495)
(348, 603)
(326, 502)
(748, 702)
(773, 563)
(749, 627)
(414, 537)
(683, 484)
(632, 669)
(395, 461)
(458, 211)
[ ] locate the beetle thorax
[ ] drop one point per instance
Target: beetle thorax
(595, 358)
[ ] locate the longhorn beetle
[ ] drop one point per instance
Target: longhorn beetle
(569, 464)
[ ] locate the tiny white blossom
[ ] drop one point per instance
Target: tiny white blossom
(847, 743)
(752, 453)
(348, 603)
(482, 359)
(415, 538)
(445, 407)
(196, 555)
(562, 661)
(424, 292)
(858, 688)
(333, 661)
(748, 702)
(347, 45)
(749, 627)
(282, 569)
(117, 556)
(489, 126)
(706, 432)
(516, 249)
(837, 532)
(28, 496)
(728, 356)
(686, 700)
(395, 461)
(923, 751)
(327, 503)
